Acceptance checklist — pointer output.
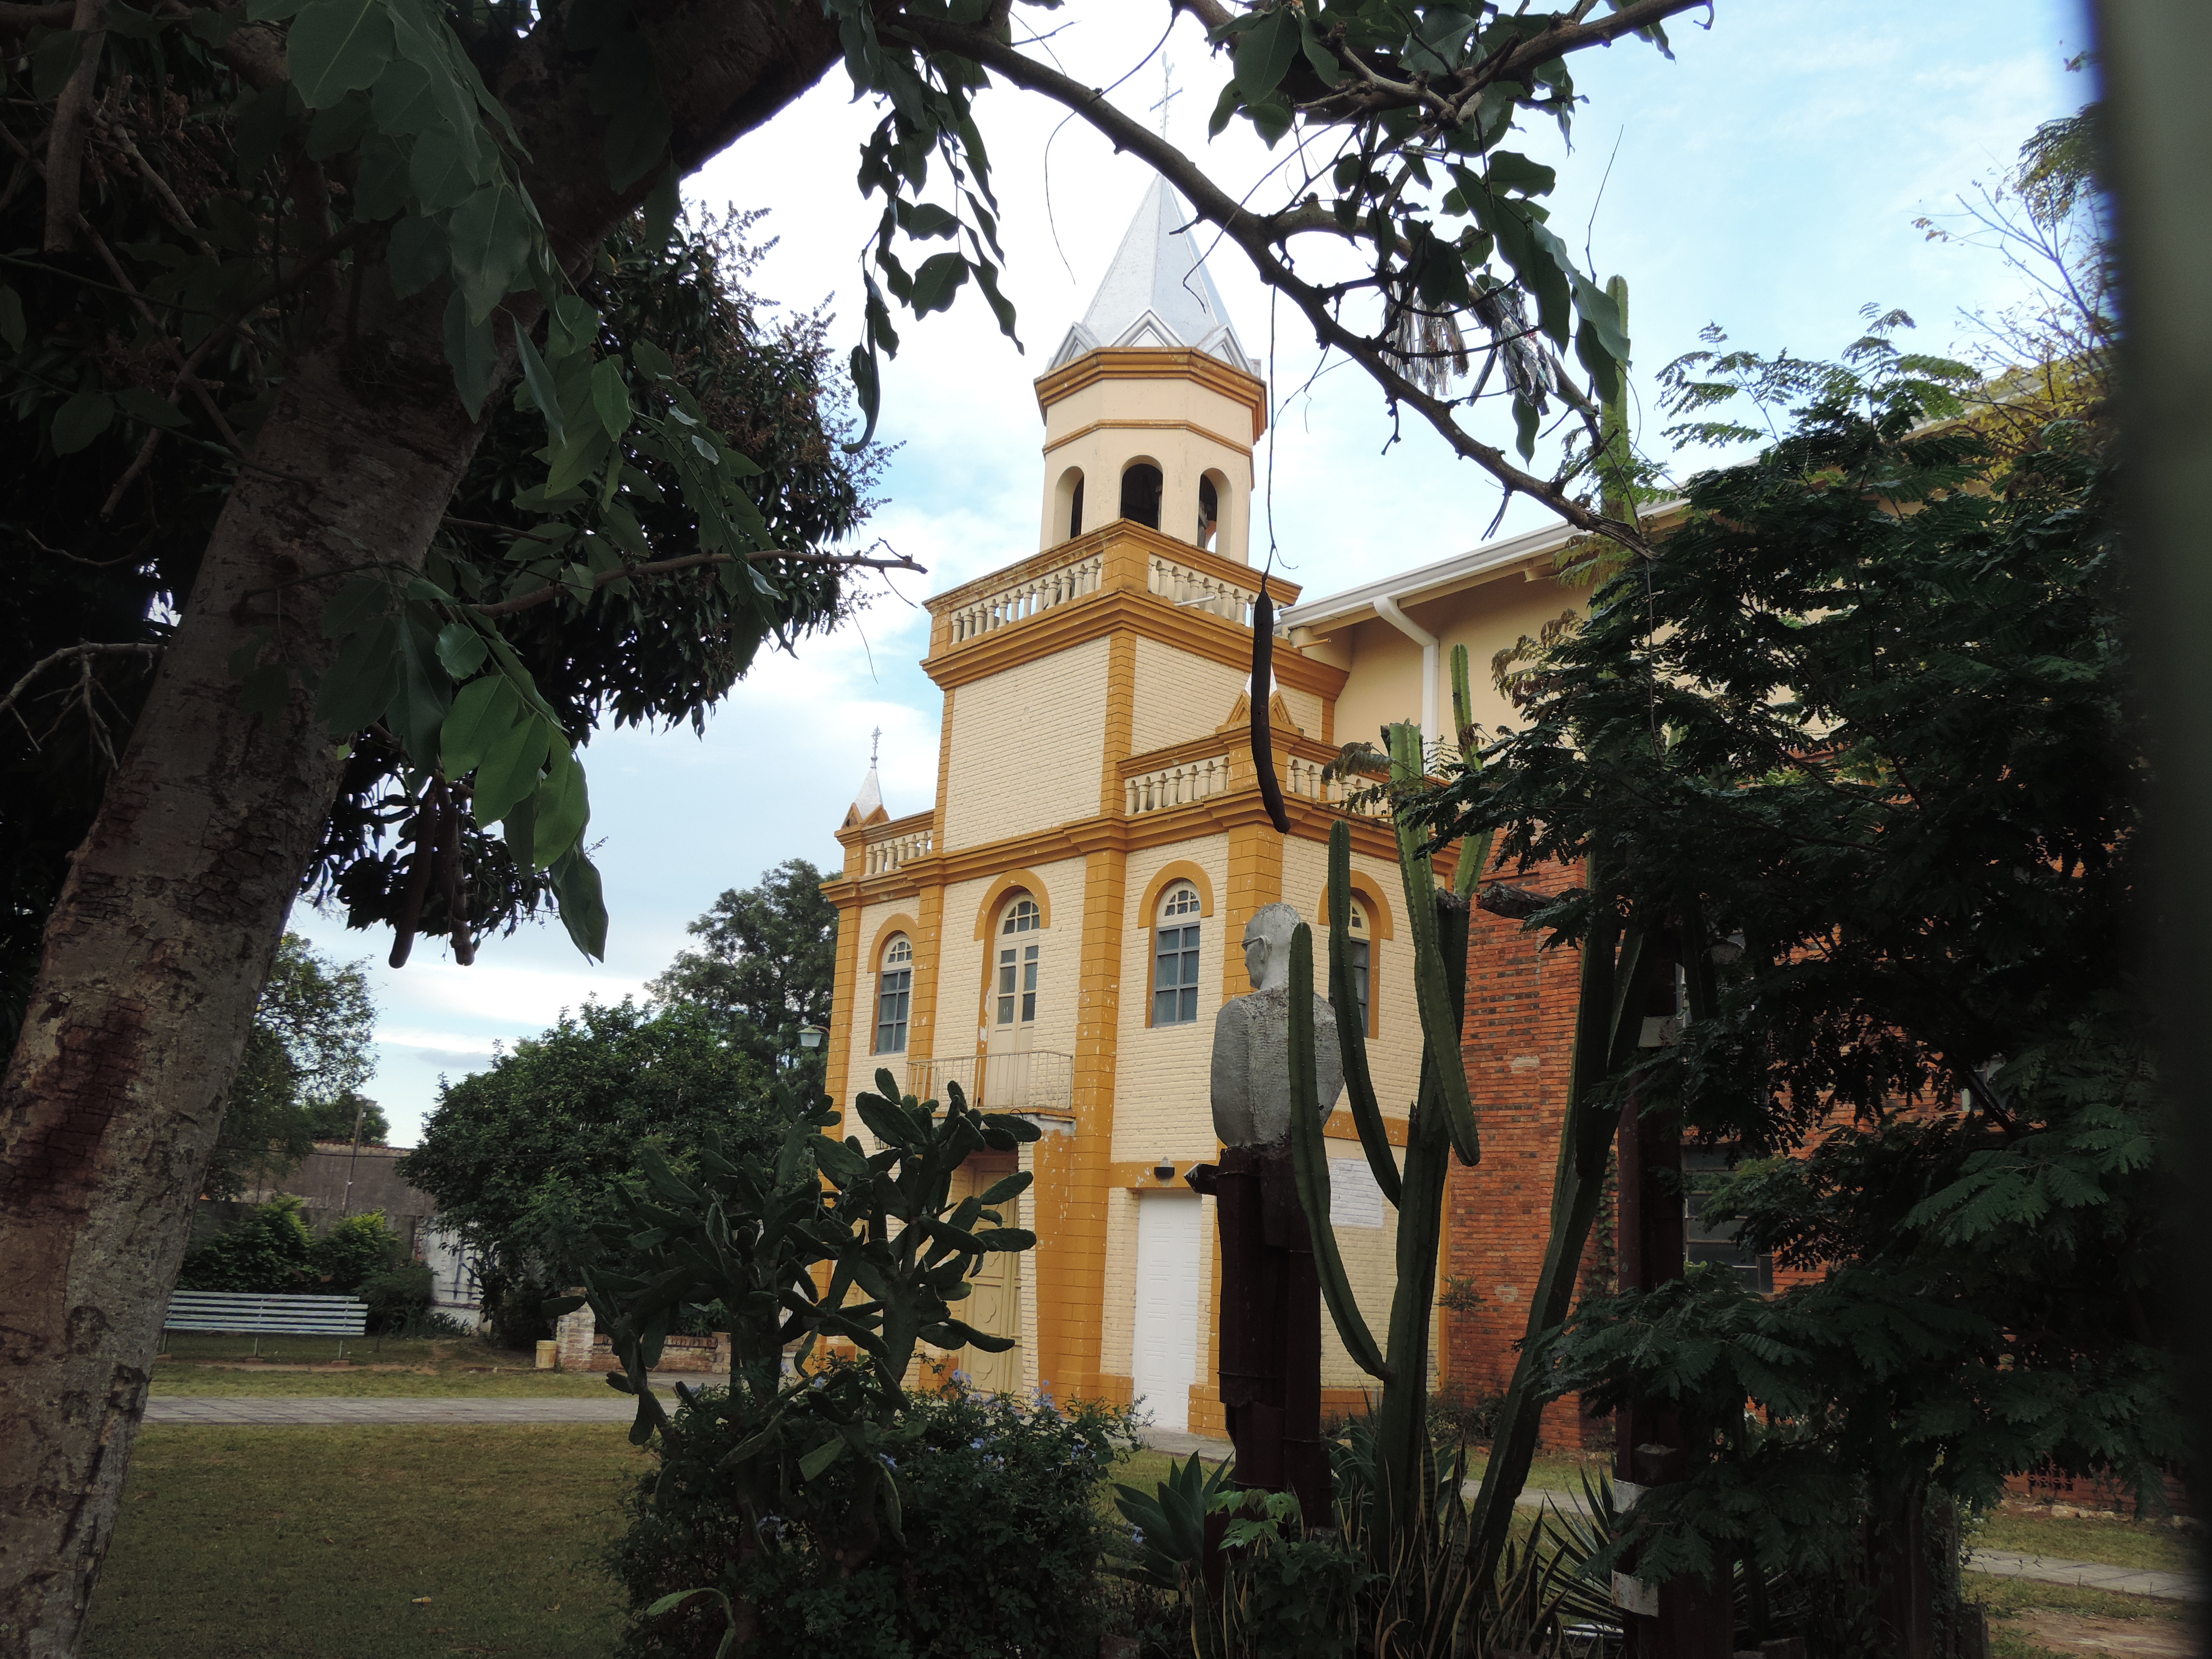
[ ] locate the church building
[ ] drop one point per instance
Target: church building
(1057, 928)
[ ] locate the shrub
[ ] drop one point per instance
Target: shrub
(268, 1252)
(1002, 1538)
(353, 1251)
(398, 1298)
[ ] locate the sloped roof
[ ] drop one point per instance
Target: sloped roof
(1156, 292)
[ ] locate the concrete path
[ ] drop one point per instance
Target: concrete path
(272, 1411)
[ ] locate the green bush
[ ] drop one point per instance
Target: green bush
(354, 1249)
(997, 1497)
(268, 1252)
(399, 1298)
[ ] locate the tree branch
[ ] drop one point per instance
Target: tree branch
(72, 124)
(14, 16)
(1252, 232)
(84, 651)
(693, 562)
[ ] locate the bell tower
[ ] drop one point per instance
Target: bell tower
(1151, 405)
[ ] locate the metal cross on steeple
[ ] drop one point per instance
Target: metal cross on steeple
(1168, 91)
(875, 744)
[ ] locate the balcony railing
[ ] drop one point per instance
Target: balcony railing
(1178, 785)
(1038, 1081)
(881, 857)
(1191, 589)
(1185, 781)
(1032, 596)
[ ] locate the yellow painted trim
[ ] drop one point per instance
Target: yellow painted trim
(1139, 363)
(1245, 450)
(1179, 870)
(899, 923)
(1023, 879)
(1379, 924)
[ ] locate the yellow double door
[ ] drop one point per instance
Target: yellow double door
(993, 1302)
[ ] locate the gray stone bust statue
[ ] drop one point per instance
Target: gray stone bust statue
(1252, 1042)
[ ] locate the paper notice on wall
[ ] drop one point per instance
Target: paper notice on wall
(1354, 1199)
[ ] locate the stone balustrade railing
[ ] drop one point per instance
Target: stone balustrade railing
(1187, 588)
(1032, 596)
(884, 856)
(1178, 785)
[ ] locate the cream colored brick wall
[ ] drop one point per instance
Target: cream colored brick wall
(1179, 696)
(1118, 1334)
(1305, 709)
(1369, 1255)
(1027, 748)
(960, 1008)
(860, 1073)
(1162, 1107)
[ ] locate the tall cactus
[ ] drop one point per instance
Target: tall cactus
(1619, 967)
(1437, 1130)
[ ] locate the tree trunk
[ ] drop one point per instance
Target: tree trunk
(155, 953)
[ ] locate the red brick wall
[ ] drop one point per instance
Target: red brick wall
(1517, 1041)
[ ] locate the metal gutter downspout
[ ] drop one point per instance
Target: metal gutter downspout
(1387, 608)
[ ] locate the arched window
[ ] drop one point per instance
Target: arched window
(1175, 957)
(1357, 949)
(893, 995)
(1140, 494)
(1209, 508)
(1016, 991)
(1067, 502)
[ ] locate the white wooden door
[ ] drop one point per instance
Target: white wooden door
(993, 1305)
(1164, 1359)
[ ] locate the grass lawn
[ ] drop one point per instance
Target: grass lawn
(364, 1543)
(198, 1363)
(2116, 1543)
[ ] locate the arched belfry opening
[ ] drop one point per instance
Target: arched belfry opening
(1140, 494)
(1211, 487)
(1067, 503)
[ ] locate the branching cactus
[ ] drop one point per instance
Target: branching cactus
(1443, 1124)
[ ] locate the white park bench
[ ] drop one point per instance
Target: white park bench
(240, 1312)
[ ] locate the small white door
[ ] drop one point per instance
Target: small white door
(1164, 1359)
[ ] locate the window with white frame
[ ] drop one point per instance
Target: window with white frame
(1019, 964)
(893, 995)
(1175, 957)
(1359, 950)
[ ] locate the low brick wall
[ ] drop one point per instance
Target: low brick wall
(578, 1346)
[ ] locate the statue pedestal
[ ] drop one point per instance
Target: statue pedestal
(1270, 1320)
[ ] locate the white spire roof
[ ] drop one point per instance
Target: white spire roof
(870, 800)
(1157, 293)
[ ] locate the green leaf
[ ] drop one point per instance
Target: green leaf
(11, 317)
(820, 1459)
(361, 685)
(425, 692)
(1526, 422)
(539, 380)
(472, 352)
(1509, 170)
(1599, 364)
(355, 605)
(54, 61)
(337, 128)
(485, 711)
(1264, 54)
(80, 420)
(637, 137)
(670, 1602)
(1319, 58)
(652, 359)
(583, 905)
(462, 650)
(490, 236)
(145, 404)
(134, 25)
(509, 773)
(442, 170)
(937, 281)
(337, 47)
(573, 327)
(610, 396)
(271, 11)
(416, 255)
(381, 186)
(662, 203)
(561, 811)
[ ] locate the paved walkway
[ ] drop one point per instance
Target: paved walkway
(277, 1410)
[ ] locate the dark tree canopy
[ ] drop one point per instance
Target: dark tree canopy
(768, 966)
(1864, 737)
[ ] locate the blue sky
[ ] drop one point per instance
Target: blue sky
(1766, 180)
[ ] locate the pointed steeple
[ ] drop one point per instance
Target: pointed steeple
(1156, 292)
(868, 805)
